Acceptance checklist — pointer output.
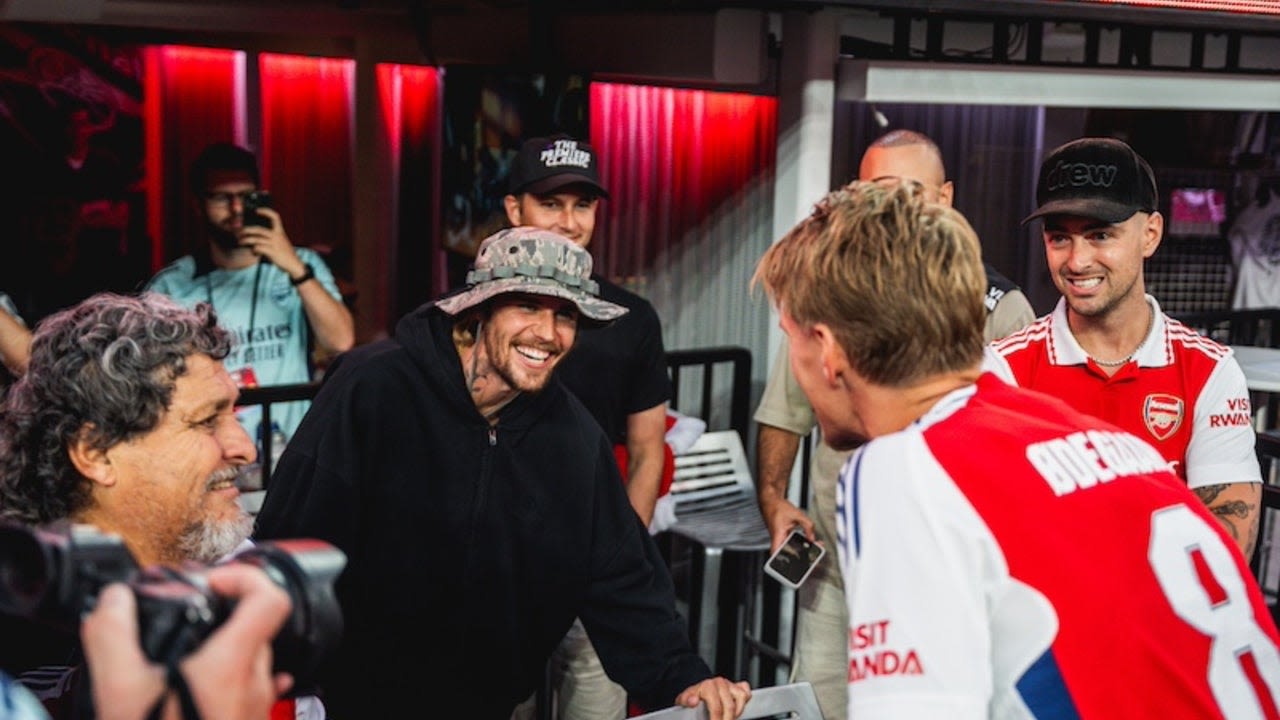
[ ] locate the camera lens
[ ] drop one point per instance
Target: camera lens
(54, 573)
(306, 570)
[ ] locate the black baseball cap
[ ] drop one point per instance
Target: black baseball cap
(1099, 178)
(546, 164)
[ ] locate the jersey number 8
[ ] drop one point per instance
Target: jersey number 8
(1203, 584)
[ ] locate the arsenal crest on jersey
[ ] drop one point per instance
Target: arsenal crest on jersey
(1163, 414)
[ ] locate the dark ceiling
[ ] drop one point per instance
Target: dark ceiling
(542, 32)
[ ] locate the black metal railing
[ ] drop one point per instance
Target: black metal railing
(1267, 552)
(697, 369)
(1259, 327)
(714, 384)
(266, 397)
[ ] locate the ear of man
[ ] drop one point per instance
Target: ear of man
(946, 193)
(89, 460)
(1153, 233)
(834, 360)
(512, 205)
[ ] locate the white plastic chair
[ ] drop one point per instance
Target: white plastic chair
(716, 508)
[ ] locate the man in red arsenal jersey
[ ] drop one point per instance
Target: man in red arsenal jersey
(1109, 351)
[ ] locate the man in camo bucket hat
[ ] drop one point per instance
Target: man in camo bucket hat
(434, 457)
(530, 260)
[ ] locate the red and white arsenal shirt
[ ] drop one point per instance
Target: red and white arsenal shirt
(1182, 392)
(1009, 557)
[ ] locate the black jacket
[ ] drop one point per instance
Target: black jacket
(470, 549)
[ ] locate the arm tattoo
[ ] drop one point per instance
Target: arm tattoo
(1230, 513)
(1209, 493)
(1252, 534)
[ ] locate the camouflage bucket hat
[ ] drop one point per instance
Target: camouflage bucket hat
(530, 260)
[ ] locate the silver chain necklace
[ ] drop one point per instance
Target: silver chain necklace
(1114, 363)
(1151, 319)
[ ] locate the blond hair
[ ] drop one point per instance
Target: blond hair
(898, 279)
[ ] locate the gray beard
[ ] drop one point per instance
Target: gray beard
(210, 542)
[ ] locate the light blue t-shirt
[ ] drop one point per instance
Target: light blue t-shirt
(6, 304)
(17, 702)
(269, 335)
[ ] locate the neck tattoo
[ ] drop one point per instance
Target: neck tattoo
(473, 374)
(1151, 319)
(473, 377)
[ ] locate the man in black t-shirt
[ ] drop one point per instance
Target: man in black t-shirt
(619, 372)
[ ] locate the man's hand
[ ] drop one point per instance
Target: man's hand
(273, 244)
(781, 516)
(725, 700)
(331, 321)
(229, 675)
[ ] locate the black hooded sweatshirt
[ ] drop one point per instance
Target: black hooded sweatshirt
(470, 548)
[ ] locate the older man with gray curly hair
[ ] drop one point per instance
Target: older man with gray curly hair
(125, 420)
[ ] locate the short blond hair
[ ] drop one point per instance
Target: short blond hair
(898, 279)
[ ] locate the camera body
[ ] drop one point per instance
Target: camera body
(253, 201)
(53, 574)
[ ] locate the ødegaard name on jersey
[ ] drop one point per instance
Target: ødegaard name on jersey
(1085, 459)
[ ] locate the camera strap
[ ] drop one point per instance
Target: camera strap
(178, 684)
(253, 301)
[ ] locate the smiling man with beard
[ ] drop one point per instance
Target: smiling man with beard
(126, 421)
(480, 506)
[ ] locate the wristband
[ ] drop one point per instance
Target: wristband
(308, 275)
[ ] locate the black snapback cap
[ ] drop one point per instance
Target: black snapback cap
(1099, 178)
(546, 164)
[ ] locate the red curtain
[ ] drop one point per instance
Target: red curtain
(690, 174)
(678, 163)
(306, 155)
(409, 97)
(197, 96)
(671, 159)
(191, 99)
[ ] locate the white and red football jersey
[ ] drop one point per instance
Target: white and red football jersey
(1182, 392)
(1008, 557)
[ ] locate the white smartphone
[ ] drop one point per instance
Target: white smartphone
(795, 559)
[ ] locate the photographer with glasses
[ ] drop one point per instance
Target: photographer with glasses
(268, 293)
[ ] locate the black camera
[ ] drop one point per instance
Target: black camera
(253, 201)
(53, 574)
